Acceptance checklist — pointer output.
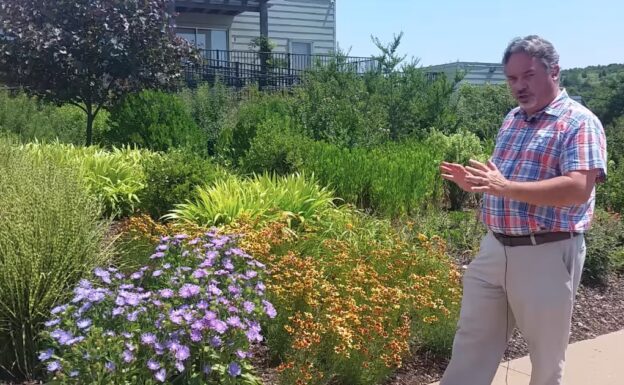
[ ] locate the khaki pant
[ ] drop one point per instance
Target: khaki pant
(532, 287)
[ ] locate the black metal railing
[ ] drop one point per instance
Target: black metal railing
(268, 69)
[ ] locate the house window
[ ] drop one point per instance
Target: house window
(210, 41)
(301, 54)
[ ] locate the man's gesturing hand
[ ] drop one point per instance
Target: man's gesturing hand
(486, 178)
(456, 173)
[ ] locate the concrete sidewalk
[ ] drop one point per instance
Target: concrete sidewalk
(599, 361)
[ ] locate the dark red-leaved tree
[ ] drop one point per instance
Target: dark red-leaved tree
(88, 52)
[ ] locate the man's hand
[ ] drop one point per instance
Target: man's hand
(456, 173)
(486, 178)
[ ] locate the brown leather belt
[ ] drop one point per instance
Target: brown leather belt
(533, 239)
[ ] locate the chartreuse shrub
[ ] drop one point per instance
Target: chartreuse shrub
(295, 197)
(50, 236)
(189, 316)
(115, 176)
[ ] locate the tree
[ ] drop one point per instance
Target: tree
(89, 52)
(389, 59)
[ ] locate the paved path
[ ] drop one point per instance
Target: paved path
(599, 361)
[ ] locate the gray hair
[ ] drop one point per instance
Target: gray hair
(536, 47)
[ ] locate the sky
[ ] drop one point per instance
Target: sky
(584, 32)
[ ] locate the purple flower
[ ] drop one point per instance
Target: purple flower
(200, 273)
(216, 341)
(137, 275)
(202, 305)
(53, 322)
(249, 307)
(110, 366)
(234, 369)
(189, 290)
(166, 266)
(253, 334)
(83, 323)
(118, 311)
(234, 289)
(218, 326)
(227, 264)
(193, 241)
(180, 366)
(260, 287)
(74, 373)
(249, 274)
(214, 290)
(176, 317)
(61, 336)
(161, 375)
(126, 335)
(207, 369)
(127, 356)
(148, 338)
(269, 309)
(235, 322)
(54, 366)
(241, 354)
(126, 286)
(157, 255)
(162, 247)
(46, 355)
(59, 309)
(196, 335)
(132, 317)
(153, 365)
(166, 293)
(103, 275)
(183, 353)
(157, 273)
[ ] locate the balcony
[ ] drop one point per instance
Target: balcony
(282, 70)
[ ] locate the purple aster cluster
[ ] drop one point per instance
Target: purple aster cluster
(195, 293)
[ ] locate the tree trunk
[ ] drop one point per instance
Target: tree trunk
(90, 119)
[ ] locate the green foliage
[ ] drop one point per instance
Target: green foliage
(154, 120)
(114, 177)
(50, 235)
(457, 148)
(609, 194)
(209, 108)
(31, 119)
(605, 247)
(295, 198)
(172, 178)
(481, 109)
(276, 148)
(391, 179)
(237, 136)
(97, 50)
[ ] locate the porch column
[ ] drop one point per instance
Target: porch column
(264, 32)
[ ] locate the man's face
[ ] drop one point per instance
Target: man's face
(530, 83)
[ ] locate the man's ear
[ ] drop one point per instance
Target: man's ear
(554, 72)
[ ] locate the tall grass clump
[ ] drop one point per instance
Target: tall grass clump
(50, 236)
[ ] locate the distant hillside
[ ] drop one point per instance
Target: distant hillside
(602, 89)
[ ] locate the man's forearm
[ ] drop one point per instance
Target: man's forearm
(558, 191)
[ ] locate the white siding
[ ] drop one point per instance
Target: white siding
(311, 21)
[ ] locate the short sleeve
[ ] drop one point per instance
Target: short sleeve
(585, 148)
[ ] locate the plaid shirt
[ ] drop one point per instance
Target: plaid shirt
(563, 137)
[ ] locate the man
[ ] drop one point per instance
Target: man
(538, 201)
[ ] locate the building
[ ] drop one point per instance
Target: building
(296, 26)
(473, 72)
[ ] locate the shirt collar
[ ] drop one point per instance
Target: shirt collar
(554, 108)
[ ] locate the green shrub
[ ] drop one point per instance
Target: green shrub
(391, 179)
(276, 148)
(31, 119)
(50, 237)
(609, 195)
(237, 136)
(263, 197)
(209, 108)
(172, 178)
(605, 247)
(154, 120)
(458, 148)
